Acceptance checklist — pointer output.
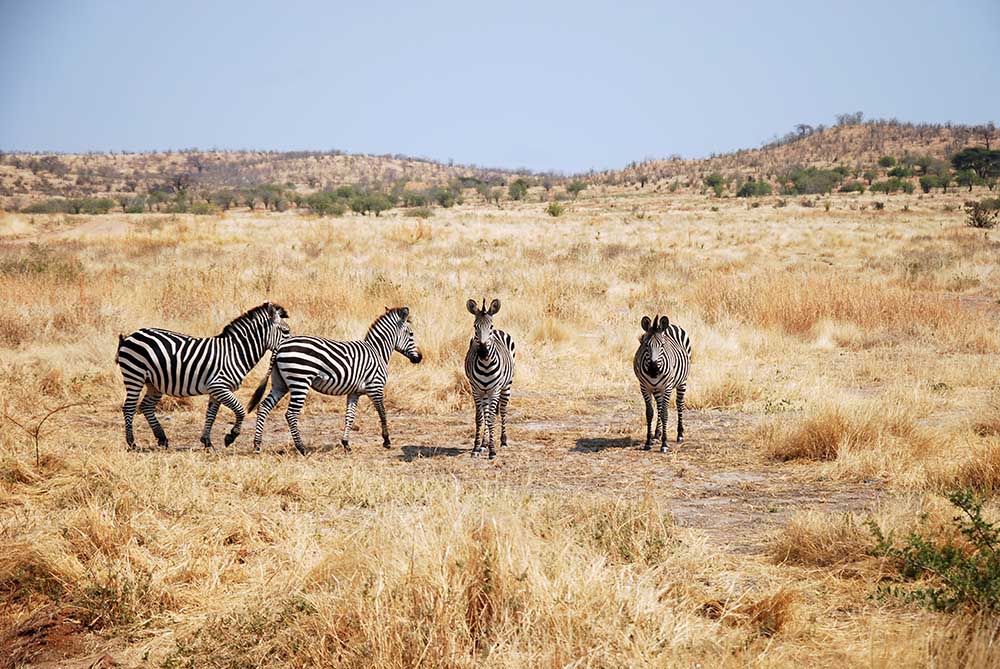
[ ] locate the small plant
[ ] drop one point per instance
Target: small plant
(879, 206)
(418, 212)
(555, 209)
(982, 214)
(575, 188)
(948, 576)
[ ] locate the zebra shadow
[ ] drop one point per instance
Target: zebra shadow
(411, 453)
(596, 444)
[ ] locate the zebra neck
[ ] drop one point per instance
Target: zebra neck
(249, 347)
(380, 339)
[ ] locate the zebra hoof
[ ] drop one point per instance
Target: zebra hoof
(163, 443)
(386, 444)
(647, 447)
(207, 443)
(346, 445)
(680, 439)
(664, 449)
(302, 451)
(493, 455)
(256, 449)
(475, 452)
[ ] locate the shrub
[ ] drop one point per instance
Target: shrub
(518, 189)
(981, 214)
(929, 181)
(892, 185)
(879, 206)
(886, 161)
(444, 197)
(809, 181)
(900, 171)
(418, 212)
(555, 209)
(754, 189)
(716, 182)
(948, 575)
(853, 187)
(575, 188)
(325, 203)
(203, 209)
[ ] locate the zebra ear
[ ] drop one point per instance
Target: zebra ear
(404, 312)
(664, 323)
(645, 323)
(387, 309)
(471, 306)
(494, 307)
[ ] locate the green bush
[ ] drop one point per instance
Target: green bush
(929, 181)
(810, 181)
(418, 212)
(754, 189)
(982, 214)
(852, 187)
(942, 574)
(444, 197)
(900, 171)
(518, 189)
(886, 161)
(892, 185)
(203, 209)
(575, 188)
(716, 182)
(555, 209)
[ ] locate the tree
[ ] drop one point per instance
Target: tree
(967, 178)
(927, 182)
(575, 188)
(886, 161)
(715, 181)
(518, 189)
(984, 162)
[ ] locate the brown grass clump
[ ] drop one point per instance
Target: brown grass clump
(978, 468)
(821, 540)
(829, 432)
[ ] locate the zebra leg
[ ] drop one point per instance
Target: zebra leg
(378, 400)
(292, 416)
(210, 414)
(504, 399)
(662, 401)
(278, 390)
(225, 396)
(648, 399)
(681, 389)
(477, 444)
(491, 413)
(352, 407)
(132, 391)
(148, 409)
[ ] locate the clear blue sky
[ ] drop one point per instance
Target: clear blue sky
(546, 85)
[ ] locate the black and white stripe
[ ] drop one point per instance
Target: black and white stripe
(489, 366)
(170, 363)
(661, 364)
(351, 368)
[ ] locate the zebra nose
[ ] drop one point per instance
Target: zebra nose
(481, 350)
(653, 368)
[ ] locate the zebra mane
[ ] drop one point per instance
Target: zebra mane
(395, 314)
(250, 314)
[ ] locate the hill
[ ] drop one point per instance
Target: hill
(852, 145)
(26, 178)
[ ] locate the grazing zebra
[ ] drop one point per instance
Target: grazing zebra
(661, 364)
(170, 363)
(352, 368)
(489, 364)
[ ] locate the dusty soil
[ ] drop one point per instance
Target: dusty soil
(713, 482)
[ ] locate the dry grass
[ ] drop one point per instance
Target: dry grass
(803, 324)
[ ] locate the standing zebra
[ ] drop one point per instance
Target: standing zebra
(351, 368)
(170, 363)
(661, 364)
(489, 365)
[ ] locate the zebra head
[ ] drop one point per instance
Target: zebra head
(652, 344)
(405, 342)
(483, 326)
(278, 329)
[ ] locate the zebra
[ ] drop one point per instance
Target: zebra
(170, 363)
(351, 368)
(661, 364)
(489, 366)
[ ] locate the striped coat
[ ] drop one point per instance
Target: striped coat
(489, 366)
(170, 363)
(352, 368)
(661, 364)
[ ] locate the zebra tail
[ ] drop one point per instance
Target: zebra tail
(258, 394)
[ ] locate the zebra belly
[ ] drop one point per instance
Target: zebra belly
(331, 386)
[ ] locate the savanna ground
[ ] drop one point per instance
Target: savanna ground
(844, 368)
